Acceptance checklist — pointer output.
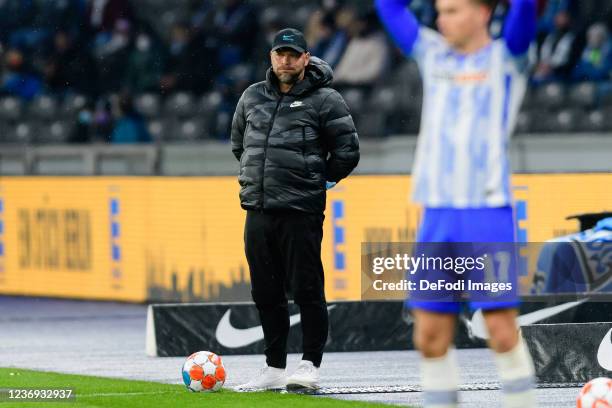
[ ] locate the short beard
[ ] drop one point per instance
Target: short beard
(288, 79)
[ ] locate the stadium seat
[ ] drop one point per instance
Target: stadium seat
(72, 104)
(523, 122)
(566, 120)
(372, 124)
(209, 103)
(55, 132)
(148, 105)
(383, 99)
(594, 121)
(10, 108)
(583, 95)
(187, 131)
(529, 101)
(44, 107)
(550, 96)
(20, 133)
(180, 105)
(157, 129)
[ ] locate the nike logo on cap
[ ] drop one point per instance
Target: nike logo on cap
(232, 337)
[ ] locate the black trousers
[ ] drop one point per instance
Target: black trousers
(284, 255)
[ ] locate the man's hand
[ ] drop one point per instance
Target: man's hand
(329, 184)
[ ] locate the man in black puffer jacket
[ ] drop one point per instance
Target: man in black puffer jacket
(294, 137)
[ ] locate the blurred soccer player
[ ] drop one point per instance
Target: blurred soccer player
(473, 86)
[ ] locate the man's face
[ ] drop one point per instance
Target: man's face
(289, 65)
(461, 20)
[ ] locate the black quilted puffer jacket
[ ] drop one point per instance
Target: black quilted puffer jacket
(290, 144)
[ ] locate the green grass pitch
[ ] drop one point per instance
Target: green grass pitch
(108, 392)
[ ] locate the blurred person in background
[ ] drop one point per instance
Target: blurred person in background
(129, 127)
(111, 55)
(328, 41)
(102, 124)
(69, 67)
(595, 63)
(554, 54)
(144, 65)
(48, 17)
(546, 22)
(236, 30)
(368, 42)
(102, 15)
(185, 68)
(14, 14)
(18, 79)
(82, 130)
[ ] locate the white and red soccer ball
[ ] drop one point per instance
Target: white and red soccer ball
(203, 371)
(596, 393)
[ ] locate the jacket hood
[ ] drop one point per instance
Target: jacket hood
(318, 75)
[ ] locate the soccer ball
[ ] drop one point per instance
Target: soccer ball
(203, 371)
(596, 393)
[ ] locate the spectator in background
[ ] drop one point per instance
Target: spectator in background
(102, 124)
(17, 78)
(554, 54)
(48, 17)
(186, 66)
(102, 15)
(144, 65)
(236, 30)
(14, 14)
(546, 22)
(129, 127)
(368, 42)
(424, 11)
(69, 68)
(596, 61)
(111, 55)
(81, 132)
(328, 41)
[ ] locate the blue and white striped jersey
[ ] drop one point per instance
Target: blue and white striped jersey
(469, 111)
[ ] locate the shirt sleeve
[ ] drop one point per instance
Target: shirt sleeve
(413, 39)
(520, 26)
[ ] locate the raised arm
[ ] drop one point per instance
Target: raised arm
(401, 24)
(520, 26)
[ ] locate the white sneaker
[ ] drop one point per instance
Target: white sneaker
(306, 376)
(268, 378)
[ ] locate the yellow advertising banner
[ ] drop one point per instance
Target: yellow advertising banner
(181, 239)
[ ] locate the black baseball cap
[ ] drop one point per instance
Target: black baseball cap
(290, 38)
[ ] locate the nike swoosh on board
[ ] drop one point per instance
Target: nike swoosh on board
(479, 328)
(604, 353)
(232, 337)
